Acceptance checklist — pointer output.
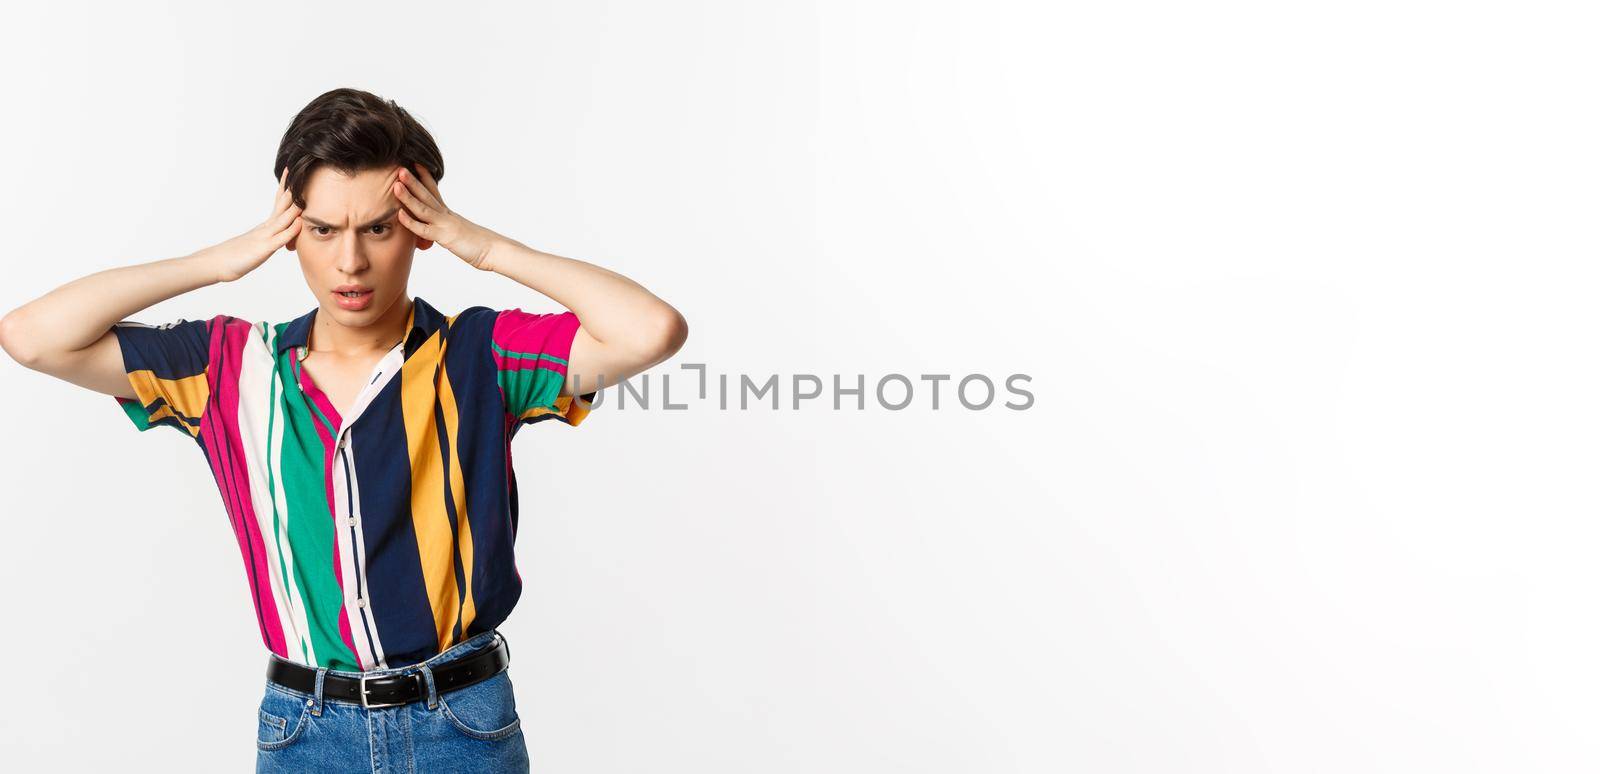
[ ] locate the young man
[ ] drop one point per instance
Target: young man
(362, 449)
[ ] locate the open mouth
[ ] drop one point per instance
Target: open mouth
(353, 300)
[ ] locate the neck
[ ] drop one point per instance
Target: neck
(329, 335)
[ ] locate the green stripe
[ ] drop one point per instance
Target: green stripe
(135, 412)
(526, 388)
(524, 355)
(310, 523)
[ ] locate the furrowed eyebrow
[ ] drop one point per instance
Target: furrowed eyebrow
(369, 224)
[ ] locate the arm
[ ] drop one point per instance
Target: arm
(67, 333)
(624, 329)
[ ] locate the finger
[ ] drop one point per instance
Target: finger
(420, 191)
(418, 207)
(427, 180)
(283, 218)
(284, 197)
(415, 226)
(282, 237)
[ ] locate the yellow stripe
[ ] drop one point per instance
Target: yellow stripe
(572, 407)
(429, 520)
(184, 397)
(458, 491)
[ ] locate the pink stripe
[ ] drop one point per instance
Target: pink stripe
(318, 398)
(219, 426)
(542, 334)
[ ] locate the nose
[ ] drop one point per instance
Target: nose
(352, 257)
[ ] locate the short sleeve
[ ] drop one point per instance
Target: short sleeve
(166, 365)
(530, 359)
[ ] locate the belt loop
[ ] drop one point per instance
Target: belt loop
(433, 694)
(316, 698)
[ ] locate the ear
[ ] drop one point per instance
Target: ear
(423, 244)
(290, 246)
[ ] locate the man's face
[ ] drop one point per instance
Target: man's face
(351, 236)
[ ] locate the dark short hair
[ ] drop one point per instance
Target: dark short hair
(351, 131)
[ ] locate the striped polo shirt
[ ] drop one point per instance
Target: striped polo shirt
(379, 539)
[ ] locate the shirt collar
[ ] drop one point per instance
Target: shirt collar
(423, 318)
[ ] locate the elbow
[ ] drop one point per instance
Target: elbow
(14, 340)
(667, 336)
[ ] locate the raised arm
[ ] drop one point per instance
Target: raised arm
(624, 329)
(67, 333)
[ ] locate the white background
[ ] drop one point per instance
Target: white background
(1306, 293)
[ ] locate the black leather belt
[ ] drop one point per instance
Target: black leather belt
(393, 690)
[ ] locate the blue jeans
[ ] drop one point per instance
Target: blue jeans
(474, 729)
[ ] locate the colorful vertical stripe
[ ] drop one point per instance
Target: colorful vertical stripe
(378, 539)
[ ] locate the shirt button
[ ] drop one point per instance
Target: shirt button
(351, 521)
(361, 603)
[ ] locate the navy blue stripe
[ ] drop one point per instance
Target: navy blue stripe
(482, 448)
(400, 610)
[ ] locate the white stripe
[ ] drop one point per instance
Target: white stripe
(353, 555)
(274, 389)
(255, 374)
(345, 552)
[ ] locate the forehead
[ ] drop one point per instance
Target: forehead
(331, 194)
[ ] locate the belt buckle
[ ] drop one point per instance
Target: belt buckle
(367, 705)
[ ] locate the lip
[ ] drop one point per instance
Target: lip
(352, 304)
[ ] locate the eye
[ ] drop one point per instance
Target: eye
(318, 233)
(381, 225)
